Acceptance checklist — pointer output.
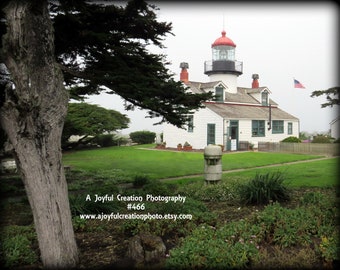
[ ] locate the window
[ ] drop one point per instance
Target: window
(277, 126)
(191, 123)
(258, 128)
(219, 93)
(211, 134)
(264, 98)
(290, 128)
(222, 53)
(231, 53)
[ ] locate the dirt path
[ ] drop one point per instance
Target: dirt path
(251, 168)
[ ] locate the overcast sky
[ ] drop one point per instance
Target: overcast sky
(277, 41)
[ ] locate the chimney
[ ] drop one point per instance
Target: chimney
(255, 83)
(184, 76)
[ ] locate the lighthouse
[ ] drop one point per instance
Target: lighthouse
(223, 66)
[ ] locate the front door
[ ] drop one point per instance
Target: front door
(232, 137)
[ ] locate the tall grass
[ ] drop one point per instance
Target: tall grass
(264, 188)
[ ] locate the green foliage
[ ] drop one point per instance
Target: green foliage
(289, 227)
(234, 245)
(79, 205)
(79, 224)
(330, 247)
(140, 180)
(176, 228)
(89, 179)
(291, 139)
(91, 120)
(224, 191)
(157, 187)
(314, 198)
(332, 96)
(264, 188)
(303, 136)
(143, 137)
(321, 139)
(106, 140)
(116, 57)
(16, 246)
(239, 244)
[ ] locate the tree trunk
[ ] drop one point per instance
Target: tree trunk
(32, 116)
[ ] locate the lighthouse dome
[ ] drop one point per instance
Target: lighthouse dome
(223, 40)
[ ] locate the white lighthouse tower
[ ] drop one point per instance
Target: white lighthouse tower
(223, 66)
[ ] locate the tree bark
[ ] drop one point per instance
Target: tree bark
(32, 116)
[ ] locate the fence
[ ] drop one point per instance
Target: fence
(330, 149)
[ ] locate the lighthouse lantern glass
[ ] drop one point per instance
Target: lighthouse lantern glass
(223, 53)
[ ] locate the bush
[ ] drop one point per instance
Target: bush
(140, 180)
(79, 204)
(263, 189)
(16, 246)
(143, 137)
(321, 139)
(222, 192)
(291, 139)
(242, 244)
(106, 140)
(234, 246)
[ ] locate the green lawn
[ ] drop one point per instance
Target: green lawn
(163, 164)
(319, 173)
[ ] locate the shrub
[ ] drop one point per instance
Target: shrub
(233, 246)
(16, 246)
(300, 226)
(157, 188)
(224, 191)
(321, 139)
(106, 140)
(171, 227)
(291, 139)
(330, 248)
(143, 137)
(264, 188)
(140, 180)
(80, 205)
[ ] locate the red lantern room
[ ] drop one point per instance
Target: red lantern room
(223, 58)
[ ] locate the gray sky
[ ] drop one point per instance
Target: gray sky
(277, 41)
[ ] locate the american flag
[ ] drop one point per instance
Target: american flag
(297, 84)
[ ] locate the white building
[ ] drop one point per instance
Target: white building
(237, 114)
(334, 127)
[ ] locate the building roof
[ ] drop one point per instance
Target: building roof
(223, 40)
(241, 105)
(199, 87)
(243, 94)
(236, 111)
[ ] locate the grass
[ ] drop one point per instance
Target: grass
(164, 164)
(319, 173)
